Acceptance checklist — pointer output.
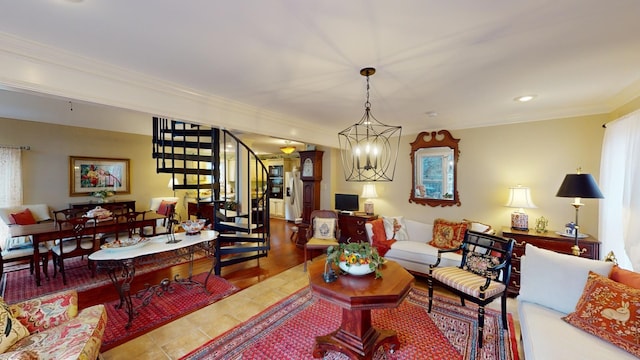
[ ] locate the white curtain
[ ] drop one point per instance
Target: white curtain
(10, 181)
(619, 229)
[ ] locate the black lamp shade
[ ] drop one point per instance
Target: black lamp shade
(579, 186)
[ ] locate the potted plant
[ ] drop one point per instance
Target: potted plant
(356, 258)
(102, 194)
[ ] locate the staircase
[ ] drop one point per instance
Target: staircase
(225, 179)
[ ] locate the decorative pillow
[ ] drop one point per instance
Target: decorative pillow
(324, 228)
(555, 280)
(479, 263)
(395, 228)
(626, 277)
(379, 238)
(448, 234)
(164, 207)
(43, 313)
(609, 310)
(24, 217)
(12, 329)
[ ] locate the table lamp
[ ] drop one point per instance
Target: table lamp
(578, 186)
(520, 198)
(369, 192)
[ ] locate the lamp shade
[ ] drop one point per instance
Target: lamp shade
(173, 181)
(288, 149)
(579, 186)
(369, 191)
(520, 197)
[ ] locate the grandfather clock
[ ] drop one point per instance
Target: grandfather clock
(311, 175)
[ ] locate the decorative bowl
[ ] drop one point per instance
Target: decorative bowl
(355, 269)
(193, 226)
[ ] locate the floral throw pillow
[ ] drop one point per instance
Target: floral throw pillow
(12, 329)
(610, 311)
(480, 264)
(395, 228)
(43, 313)
(324, 228)
(448, 234)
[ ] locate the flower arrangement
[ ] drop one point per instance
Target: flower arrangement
(356, 254)
(102, 194)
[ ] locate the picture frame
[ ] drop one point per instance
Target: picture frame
(92, 174)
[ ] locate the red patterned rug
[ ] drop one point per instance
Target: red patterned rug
(287, 330)
(162, 309)
(20, 285)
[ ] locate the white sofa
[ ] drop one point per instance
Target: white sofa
(550, 286)
(415, 254)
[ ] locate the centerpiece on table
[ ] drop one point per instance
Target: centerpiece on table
(102, 195)
(356, 258)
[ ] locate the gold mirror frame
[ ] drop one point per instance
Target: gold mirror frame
(434, 140)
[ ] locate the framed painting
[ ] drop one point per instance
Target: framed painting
(91, 174)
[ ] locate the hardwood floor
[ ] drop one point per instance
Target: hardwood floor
(282, 256)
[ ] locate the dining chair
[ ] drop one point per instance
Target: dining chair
(482, 275)
(323, 232)
(126, 227)
(82, 241)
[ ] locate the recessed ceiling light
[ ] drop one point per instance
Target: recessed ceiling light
(524, 98)
(431, 114)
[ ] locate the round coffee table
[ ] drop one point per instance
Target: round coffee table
(358, 295)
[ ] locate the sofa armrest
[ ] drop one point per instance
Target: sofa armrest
(42, 313)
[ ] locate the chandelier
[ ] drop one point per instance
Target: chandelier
(369, 148)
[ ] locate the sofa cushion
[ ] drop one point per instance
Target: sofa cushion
(555, 280)
(395, 228)
(379, 237)
(324, 228)
(12, 329)
(24, 217)
(448, 234)
(610, 311)
(40, 314)
(627, 277)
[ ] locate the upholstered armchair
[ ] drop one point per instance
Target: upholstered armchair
(482, 275)
(323, 232)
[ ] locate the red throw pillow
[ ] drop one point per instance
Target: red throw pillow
(609, 310)
(164, 207)
(23, 218)
(448, 234)
(626, 277)
(379, 238)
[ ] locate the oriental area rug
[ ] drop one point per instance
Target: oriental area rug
(162, 308)
(20, 285)
(287, 330)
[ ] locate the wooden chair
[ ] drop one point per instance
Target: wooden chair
(126, 227)
(322, 232)
(165, 206)
(70, 213)
(82, 242)
(482, 276)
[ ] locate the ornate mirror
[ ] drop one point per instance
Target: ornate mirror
(434, 160)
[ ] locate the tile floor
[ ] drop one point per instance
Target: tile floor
(179, 337)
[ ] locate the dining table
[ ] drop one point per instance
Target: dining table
(51, 230)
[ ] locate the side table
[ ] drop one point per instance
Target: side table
(358, 295)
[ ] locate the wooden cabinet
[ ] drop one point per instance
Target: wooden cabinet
(352, 226)
(131, 204)
(550, 241)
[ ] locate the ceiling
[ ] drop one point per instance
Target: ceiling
(289, 69)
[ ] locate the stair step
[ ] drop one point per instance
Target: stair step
(238, 259)
(185, 144)
(240, 248)
(189, 132)
(235, 237)
(167, 156)
(239, 226)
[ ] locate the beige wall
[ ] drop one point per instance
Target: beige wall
(46, 165)
(492, 159)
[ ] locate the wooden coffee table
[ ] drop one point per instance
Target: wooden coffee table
(357, 295)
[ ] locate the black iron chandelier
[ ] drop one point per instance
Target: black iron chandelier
(369, 148)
